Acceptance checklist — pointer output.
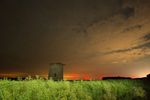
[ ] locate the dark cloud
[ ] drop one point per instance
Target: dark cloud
(132, 28)
(145, 45)
(100, 13)
(128, 12)
(146, 37)
(41, 31)
(141, 46)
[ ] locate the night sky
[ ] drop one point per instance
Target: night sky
(94, 37)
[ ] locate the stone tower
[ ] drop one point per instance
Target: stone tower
(56, 71)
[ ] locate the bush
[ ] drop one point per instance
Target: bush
(76, 90)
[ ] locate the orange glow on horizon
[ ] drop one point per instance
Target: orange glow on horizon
(72, 76)
(75, 76)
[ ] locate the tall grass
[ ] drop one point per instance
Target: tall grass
(76, 90)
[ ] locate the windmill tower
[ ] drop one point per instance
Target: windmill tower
(56, 71)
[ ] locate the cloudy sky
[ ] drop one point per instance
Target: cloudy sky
(95, 37)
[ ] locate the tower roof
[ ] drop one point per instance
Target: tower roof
(56, 63)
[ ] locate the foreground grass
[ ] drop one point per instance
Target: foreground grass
(76, 90)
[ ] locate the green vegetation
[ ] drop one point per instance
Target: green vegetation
(72, 90)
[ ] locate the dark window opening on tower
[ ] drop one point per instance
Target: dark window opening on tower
(55, 75)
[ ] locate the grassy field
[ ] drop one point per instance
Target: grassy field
(74, 90)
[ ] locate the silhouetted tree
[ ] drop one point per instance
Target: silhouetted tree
(148, 76)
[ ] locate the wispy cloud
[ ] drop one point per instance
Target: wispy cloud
(142, 46)
(146, 37)
(128, 12)
(132, 28)
(145, 45)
